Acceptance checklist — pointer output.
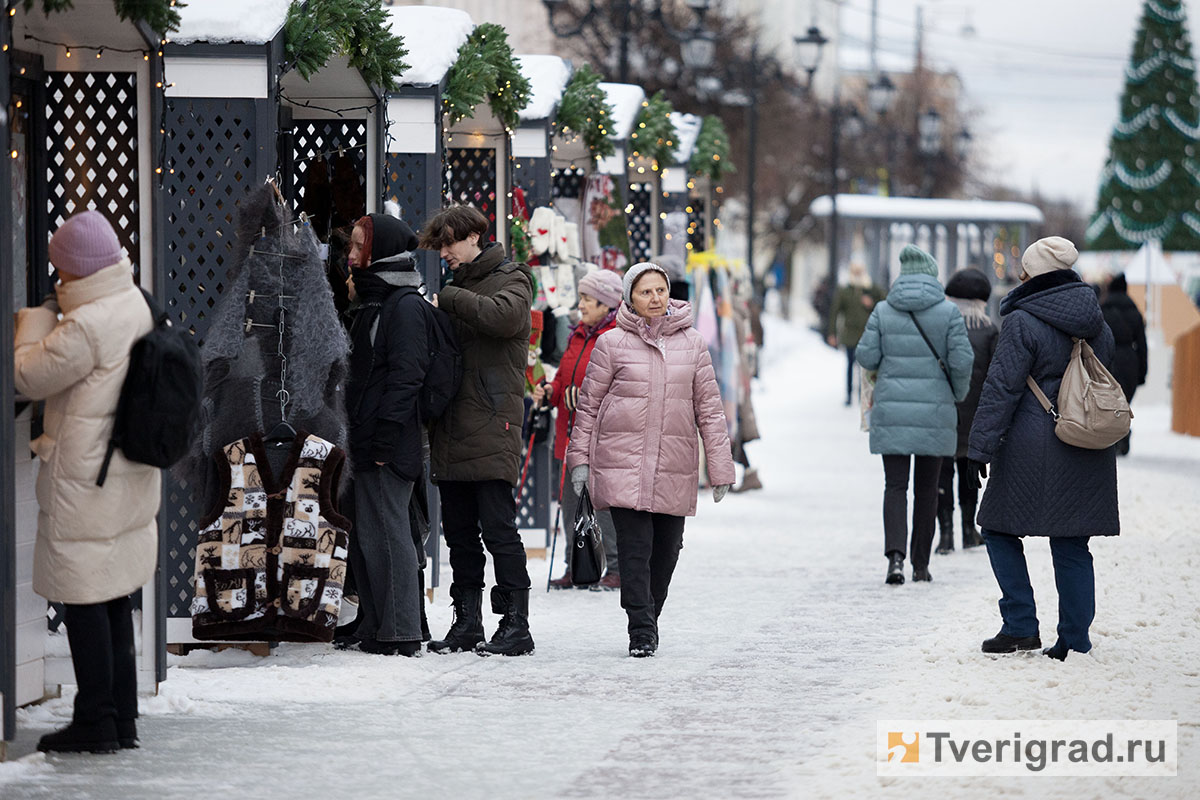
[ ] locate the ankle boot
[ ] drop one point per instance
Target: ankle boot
(946, 527)
(971, 535)
(467, 630)
(127, 735)
(512, 637)
(83, 737)
(895, 570)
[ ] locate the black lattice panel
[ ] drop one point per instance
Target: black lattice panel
(696, 233)
(341, 145)
(406, 185)
(640, 221)
(471, 179)
(533, 511)
(92, 150)
(533, 175)
(568, 182)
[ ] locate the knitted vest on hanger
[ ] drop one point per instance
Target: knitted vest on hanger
(271, 557)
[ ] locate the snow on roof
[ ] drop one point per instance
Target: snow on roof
(432, 36)
(223, 21)
(687, 131)
(901, 209)
(626, 101)
(548, 76)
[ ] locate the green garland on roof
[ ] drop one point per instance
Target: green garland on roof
(160, 15)
(653, 133)
(711, 156)
(584, 110)
(316, 30)
(486, 70)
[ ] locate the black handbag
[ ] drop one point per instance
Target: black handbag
(587, 544)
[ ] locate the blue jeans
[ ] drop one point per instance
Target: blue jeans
(384, 558)
(1073, 575)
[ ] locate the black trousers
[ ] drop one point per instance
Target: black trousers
(648, 548)
(105, 660)
(968, 495)
(479, 513)
(850, 365)
(895, 505)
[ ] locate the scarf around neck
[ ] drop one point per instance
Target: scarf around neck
(974, 311)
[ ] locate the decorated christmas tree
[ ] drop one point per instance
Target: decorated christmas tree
(1150, 186)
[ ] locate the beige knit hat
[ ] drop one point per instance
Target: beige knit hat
(1047, 255)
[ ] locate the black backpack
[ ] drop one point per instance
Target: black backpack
(444, 375)
(159, 407)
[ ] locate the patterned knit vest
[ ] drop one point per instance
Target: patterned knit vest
(271, 557)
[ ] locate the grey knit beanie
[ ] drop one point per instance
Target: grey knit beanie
(636, 271)
(915, 261)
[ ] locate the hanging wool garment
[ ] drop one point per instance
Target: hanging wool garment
(271, 556)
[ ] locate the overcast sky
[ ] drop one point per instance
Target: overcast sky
(1044, 76)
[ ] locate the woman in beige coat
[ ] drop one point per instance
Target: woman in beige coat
(95, 545)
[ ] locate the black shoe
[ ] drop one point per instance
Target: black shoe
(467, 630)
(512, 637)
(127, 734)
(1003, 643)
(971, 535)
(1058, 651)
(344, 641)
(378, 648)
(92, 737)
(895, 570)
(642, 647)
(922, 574)
(946, 528)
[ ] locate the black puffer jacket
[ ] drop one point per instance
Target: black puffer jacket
(478, 438)
(1129, 334)
(969, 289)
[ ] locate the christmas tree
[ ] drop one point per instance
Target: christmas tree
(1150, 186)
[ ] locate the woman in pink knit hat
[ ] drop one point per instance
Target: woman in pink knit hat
(95, 545)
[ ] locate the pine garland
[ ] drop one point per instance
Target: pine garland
(584, 110)
(520, 247)
(316, 30)
(486, 70)
(711, 156)
(160, 15)
(653, 132)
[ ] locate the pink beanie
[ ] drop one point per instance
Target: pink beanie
(84, 244)
(604, 285)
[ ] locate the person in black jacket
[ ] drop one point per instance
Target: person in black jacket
(1129, 334)
(388, 360)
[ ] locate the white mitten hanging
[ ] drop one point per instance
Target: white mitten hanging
(568, 297)
(559, 232)
(541, 226)
(573, 248)
(549, 279)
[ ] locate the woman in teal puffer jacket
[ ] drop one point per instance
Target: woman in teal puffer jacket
(914, 412)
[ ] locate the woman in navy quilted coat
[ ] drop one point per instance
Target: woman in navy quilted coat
(1041, 486)
(914, 420)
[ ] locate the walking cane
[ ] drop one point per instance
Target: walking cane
(557, 516)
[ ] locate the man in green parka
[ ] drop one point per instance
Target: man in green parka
(848, 317)
(476, 444)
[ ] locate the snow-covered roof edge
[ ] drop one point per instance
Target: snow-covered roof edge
(225, 21)
(687, 131)
(869, 206)
(432, 36)
(548, 77)
(626, 100)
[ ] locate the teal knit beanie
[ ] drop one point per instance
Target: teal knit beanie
(915, 261)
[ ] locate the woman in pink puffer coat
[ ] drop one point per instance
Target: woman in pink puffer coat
(649, 386)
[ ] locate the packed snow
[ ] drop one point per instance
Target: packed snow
(781, 648)
(687, 131)
(222, 21)
(432, 36)
(626, 101)
(548, 76)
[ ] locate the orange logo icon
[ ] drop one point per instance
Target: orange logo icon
(904, 747)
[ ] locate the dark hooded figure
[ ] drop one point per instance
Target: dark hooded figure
(1041, 486)
(1129, 335)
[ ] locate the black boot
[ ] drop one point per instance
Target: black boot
(895, 571)
(84, 737)
(1003, 643)
(425, 634)
(971, 535)
(512, 637)
(945, 519)
(467, 630)
(127, 734)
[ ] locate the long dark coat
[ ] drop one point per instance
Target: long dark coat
(1129, 336)
(478, 438)
(983, 342)
(1040, 486)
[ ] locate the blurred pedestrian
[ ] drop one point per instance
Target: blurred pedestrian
(1041, 486)
(599, 298)
(918, 343)
(96, 545)
(650, 386)
(969, 290)
(852, 306)
(1130, 359)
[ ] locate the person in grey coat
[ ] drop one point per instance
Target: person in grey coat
(917, 341)
(1041, 486)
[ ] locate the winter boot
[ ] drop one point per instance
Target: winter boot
(564, 582)
(408, 649)
(127, 734)
(945, 519)
(971, 535)
(921, 574)
(750, 482)
(1003, 643)
(512, 637)
(642, 646)
(83, 737)
(467, 630)
(895, 571)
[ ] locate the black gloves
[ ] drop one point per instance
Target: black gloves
(976, 472)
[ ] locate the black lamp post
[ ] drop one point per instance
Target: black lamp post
(929, 142)
(881, 94)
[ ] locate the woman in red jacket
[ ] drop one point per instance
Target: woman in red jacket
(599, 297)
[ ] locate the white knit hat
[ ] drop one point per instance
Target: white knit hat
(1048, 255)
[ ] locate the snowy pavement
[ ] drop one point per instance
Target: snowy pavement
(781, 648)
